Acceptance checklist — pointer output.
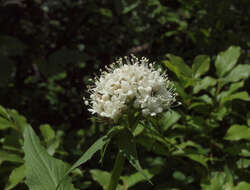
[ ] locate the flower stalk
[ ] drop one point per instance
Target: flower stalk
(117, 170)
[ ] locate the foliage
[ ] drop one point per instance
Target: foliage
(207, 132)
(49, 49)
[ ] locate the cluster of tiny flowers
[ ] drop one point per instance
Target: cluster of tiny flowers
(130, 82)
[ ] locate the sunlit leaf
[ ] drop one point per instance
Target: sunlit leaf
(243, 163)
(242, 186)
(199, 158)
(233, 87)
(238, 73)
(179, 176)
(10, 157)
(169, 118)
(204, 83)
(17, 175)
(131, 7)
(135, 178)
(50, 138)
(4, 123)
(218, 182)
(102, 177)
(3, 112)
(138, 130)
(238, 95)
(237, 132)
(177, 65)
(226, 60)
(47, 132)
(200, 65)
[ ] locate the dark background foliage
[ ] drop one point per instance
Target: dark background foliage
(49, 49)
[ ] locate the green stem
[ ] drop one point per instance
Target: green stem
(117, 170)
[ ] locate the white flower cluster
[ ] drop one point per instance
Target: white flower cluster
(130, 82)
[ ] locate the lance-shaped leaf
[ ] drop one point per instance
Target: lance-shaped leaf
(128, 147)
(98, 145)
(43, 172)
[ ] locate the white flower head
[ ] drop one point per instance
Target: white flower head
(130, 83)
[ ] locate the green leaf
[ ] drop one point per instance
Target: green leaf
(20, 121)
(204, 84)
(243, 163)
(128, 147)
(198, 158)
(106, 12)
(233, 87)
(218, 182)
(3, 112)
(244, 153)
(179, 176)
(90, 152)
(229, 176)
(47, 132)
(135, 178)
(102, 177)
(177, 65)
(129, 8)
(169, 118)
(138, 130)
(239, 95)
(205, 98)
(242, 186)
(98, 145)
(181, 90)
(238, 73)
(181, 70)
(4, 123)
(52, 142)
(17, 175)
(200, 65)
(43, 172)
(10, 157)
(226, 60)
(237, 132)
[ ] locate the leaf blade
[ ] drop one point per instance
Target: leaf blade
(201, 65)
(128, 147)
(226, 60)
(43, 172)
(17, 175)
(237, 132)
